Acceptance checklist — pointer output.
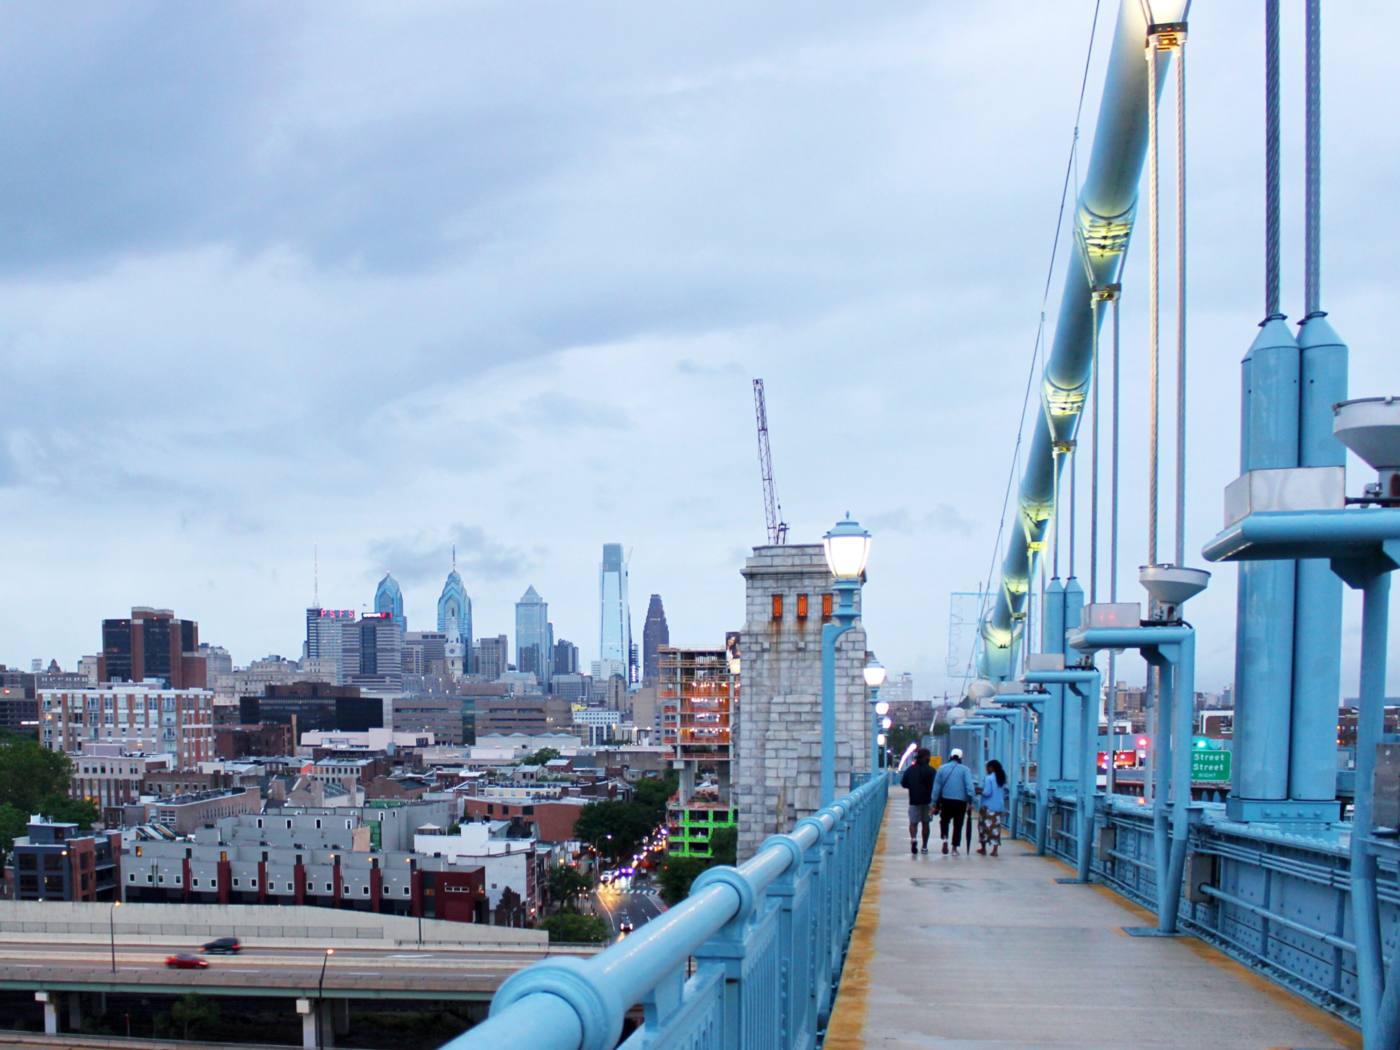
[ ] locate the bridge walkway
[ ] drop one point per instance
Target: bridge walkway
(991, 953)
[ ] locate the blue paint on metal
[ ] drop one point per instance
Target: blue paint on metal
(844, 617)
(768, 939)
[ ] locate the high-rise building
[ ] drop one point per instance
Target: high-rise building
(533, 642)
(695, 700)
(388, 598)
(455, 614)
(491, 657)
(425, 653)
(380, 652)
(134, 716)
(655, 633)
(332, 642)
(152, 644)
(565, 658)
(614, 618)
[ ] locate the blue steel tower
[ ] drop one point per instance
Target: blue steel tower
(388, 598)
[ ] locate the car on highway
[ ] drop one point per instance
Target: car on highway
(185, 961)
(223, 946)
(625, 926)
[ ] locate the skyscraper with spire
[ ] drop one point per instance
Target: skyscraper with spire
(454, 617)
(655, 633)
(388, 598)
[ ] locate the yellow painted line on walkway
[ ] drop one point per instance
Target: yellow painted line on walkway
(846, 1029)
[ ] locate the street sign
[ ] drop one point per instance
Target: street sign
(1210, 766)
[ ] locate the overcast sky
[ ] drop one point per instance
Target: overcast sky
(378, 278)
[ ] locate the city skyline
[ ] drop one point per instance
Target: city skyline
(575, 312)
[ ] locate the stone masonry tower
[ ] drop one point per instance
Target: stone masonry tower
(777, 753)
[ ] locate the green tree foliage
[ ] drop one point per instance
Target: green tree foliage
(570, 927)
(614, 829)
(34, 779)
(567, 885)
(654, 792)
(540, 757)
(194, 1012)
(901, 736)
(724, 846)
(677, 873)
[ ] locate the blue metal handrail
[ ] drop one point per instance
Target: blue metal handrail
(768, 939)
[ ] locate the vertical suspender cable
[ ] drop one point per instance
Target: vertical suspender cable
(1153, 301)
(1271, 160)
(1094, 304)
(1111, 702)
(1181, 300)
(1312, 291)
(1073, 518)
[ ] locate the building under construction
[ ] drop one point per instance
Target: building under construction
(695, 693)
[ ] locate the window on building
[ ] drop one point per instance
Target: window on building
(802, 607)
(826, 608)
(406, 891)
(330, 888)
(777, 606)
(364, 891)
(235, 880)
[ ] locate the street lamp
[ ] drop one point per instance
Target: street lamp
(112, 931)
(874, 678)
(847, 546)
(320, 1002)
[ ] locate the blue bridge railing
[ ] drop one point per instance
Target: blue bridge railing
(749, 961)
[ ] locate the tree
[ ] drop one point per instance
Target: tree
(194, 1011)
(540, 757)
(653, 793)
(677, 873)
(566, 885)
(724, 846)
(34, 779)
(614, 829)
(570, 927)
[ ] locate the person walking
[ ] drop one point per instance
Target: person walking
(993, 805)
(953, 789)
(918, 781)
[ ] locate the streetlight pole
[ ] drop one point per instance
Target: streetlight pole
(847, 546)
(112, 929)
(320, 1001)
(874, 678)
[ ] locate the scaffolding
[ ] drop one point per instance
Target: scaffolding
(695, 693)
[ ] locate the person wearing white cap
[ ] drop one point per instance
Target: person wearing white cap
(953, 789)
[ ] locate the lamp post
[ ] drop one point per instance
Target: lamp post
(847, 546)
(874, 678)
(112, 931)
(320, 1001)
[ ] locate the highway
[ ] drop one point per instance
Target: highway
(429, 972)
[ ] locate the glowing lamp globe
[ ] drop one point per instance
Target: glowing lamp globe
(847, 547)
(874, 674)
(882, 708)
(886, 723)
(880, 740)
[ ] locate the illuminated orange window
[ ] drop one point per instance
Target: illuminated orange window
(802, 607)
(826, 607)
(777, 606)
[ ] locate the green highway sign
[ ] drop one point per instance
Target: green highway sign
(1210, 766)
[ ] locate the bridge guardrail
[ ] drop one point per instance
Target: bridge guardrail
(771, 931)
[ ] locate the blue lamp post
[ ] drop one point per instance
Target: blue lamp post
(847, 547)
(874, 678)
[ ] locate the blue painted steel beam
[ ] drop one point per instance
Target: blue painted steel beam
(1085, 683)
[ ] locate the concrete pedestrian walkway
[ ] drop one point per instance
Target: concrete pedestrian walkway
(991, 953)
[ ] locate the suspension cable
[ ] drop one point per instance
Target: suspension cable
(1271, 161)
(1094, 302)
(1039, 338)
(1181, 299)
(1153, 299)
(1312, 297)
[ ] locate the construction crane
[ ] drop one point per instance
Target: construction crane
(772, 509)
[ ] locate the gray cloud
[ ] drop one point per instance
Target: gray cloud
(427, 556)
(943, 518)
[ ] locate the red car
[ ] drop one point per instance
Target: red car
(186, 962)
